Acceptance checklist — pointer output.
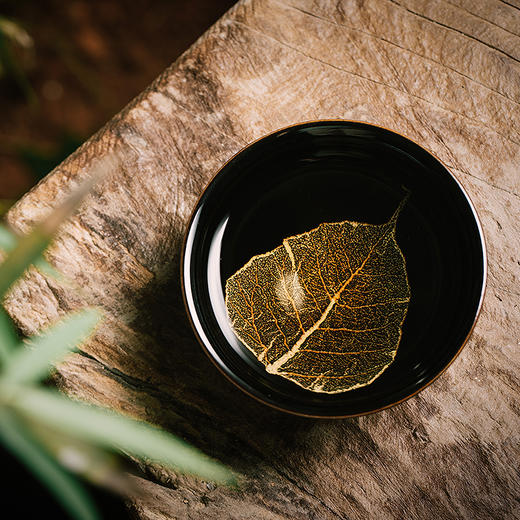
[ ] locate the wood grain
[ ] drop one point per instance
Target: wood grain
(446, 74)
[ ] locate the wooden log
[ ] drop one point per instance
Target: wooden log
(446, 74)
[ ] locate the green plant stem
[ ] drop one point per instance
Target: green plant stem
(24, 254)
(107, 429)
(29, 249)
(32, 363)
(8, 337)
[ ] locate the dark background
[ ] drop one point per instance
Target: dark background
(84, 61)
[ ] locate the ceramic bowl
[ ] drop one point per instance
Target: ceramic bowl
(328, 171)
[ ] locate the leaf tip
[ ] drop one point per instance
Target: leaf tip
(397, 212)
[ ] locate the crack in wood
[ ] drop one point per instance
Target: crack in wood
(510, 5)
(481, 18)
(405, 49)
(374, 81)
(460, 459)
(431, 20)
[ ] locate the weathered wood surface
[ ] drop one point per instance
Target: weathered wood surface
(445, 73)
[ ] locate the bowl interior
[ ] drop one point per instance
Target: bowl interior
(293, 180)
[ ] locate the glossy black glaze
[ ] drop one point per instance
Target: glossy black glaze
(293, 180)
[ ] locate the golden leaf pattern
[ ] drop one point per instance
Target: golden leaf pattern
(325, 308)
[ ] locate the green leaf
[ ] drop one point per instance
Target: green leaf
(33, 363)
(8, 239)
(8, 338)
(45, 268)
(10, 33)
(105, 428)
(23, 252)
(98, 465)
(15, 32)
(30, 247)
(26, 252)
(66, 489)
